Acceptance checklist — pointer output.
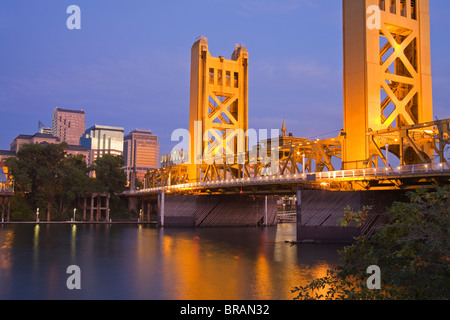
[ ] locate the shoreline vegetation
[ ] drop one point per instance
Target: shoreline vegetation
(50, 184)
(412, 250)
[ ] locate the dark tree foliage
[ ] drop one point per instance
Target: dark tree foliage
(37, 170)
(110, 177)
(412, 251)
(47, 178)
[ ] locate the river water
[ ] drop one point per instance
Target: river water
(123, 261)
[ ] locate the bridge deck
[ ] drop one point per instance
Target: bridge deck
(382, 178)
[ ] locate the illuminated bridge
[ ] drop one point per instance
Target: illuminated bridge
(395, 177)
(390, 141)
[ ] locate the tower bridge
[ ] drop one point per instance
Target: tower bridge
(389, 142)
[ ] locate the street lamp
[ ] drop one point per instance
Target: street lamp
(37, 215)
(74, 213)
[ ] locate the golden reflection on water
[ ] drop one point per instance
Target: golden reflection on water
(262, 279)
(198, 271)
(73, 242)
(6, 242)
(36, 246)
(169, 264)
(202, 271)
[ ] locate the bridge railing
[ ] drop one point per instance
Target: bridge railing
(287, 216)
(417, 169)
(385, 171)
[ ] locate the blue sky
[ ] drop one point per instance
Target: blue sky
(129, 65)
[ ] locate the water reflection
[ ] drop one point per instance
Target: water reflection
(6, 241)
(138, 262)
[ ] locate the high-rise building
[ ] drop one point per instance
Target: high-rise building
(141, 152)
(43, 129)
(102, 140)
(68, 125)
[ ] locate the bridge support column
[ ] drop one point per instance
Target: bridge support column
(84, 208)
(133, 204)
(2, 201)
(147, 207)
(91, 217)
(8, 212)
(98, 213)
(216, 210)
(319, 211)
(161, 206)
(5, 202)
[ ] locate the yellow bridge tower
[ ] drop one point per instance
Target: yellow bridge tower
(387, 81)
(218, 105)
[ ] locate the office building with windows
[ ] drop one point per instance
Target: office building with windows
(68, 125)
(102, 140)
(141, 153)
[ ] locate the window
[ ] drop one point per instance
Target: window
(219, 77)
(382, 5)
(403, 8)
(236, 80)
(413, 9)
(393, 7)
(228, 80)
(211, 75)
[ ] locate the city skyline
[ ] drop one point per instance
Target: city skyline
(129, 66)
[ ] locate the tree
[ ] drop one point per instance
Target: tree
(412, 251)
(74, 181)
(44, 174)
(109, 175)
(110, 178)
(36, 170)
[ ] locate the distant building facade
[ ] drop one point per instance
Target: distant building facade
(43, 129)
(5, 154)
(22, 139)
(174, 158)
(141, 153)
(40, 138)
(68, 125)
(102, 140)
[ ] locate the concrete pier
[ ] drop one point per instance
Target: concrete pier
(319, 211)
(214, 210)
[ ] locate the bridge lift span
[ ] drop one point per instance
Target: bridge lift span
(388, 112)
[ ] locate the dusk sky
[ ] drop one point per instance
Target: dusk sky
(129, 65)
